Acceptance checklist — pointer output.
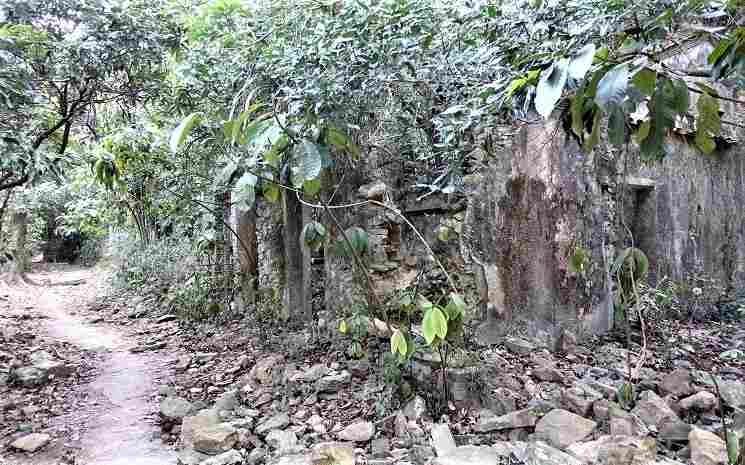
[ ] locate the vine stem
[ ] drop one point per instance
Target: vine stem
(400, 215)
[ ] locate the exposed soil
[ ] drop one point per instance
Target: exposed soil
(104, 417)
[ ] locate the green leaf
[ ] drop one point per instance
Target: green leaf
(579, 260)
(581, 62)
(456, 307)
(617, 126)
(550, 87)
(645, 80)
(642, 132)
(733, 447)
(254, 131)
(343, 327)
(314, 235)
(663, 107)
(398, 343)
(273, 156)
(271, 192)
(312, 187)
(244, 193)
(594, 138)
(358, 238)
(708, 123)
(577, 110)
(612, 87)
(434, 325)
(423, 303)
(337, 139)
(182, 131)
(681, 102)
(307, 162)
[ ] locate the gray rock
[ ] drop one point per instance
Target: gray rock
(502, 400)
(519, 346)
(380, 447)
(616, 450)
(653, 410)
(278, 421)
(623, 423)
(733, 393)
(228, 400)
(264, 370)
(189, 456)
(31, 442)
(296, 459)
(579, 399)
(204, 419)
(415, 408)
(29, 376)
(256, 456)
(215, 439)
(470, 455)
(561, 428)
(674, 431)
(338, 452)
(442, 439)
(174, 409)
(524, 418)
(231, 457)
(678, 383)
(361, 431)
(701, 402)
(283, 441)
(540, 453)
(706, 448)
(334, 382)
(312, 374)
(548, 373)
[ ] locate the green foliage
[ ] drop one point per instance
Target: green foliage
(550, 87)
(708, 123)
(183, 130)
(729, 56)
(612, 87)
(314, 235)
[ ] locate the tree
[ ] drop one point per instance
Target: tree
(63, 61)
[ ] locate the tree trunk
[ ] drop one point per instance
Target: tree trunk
(3, 209)
(248, 259)
(20, 257)
(296, 302)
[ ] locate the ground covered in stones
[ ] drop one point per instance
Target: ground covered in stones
(236, 393)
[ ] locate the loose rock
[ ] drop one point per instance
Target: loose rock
(562, 428)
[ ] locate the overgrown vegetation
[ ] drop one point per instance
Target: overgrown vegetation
(159, 118)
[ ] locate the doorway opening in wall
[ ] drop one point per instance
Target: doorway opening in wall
(641, 218)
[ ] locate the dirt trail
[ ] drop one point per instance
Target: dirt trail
(116, 427)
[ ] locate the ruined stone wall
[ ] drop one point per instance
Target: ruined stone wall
(693, 221)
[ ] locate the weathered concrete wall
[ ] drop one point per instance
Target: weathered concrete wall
(695, 222)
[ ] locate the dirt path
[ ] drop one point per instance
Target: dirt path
(115, 424)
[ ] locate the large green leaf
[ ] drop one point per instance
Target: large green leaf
(182, 131)
(577, 110)
(314, 235)
(645, 80)
(434, 325)
(708, 123)
(244, 192)
(307, 162)
(662, 111)
(398, 343)
(612, 87)
(550, 87)
(581, 62)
